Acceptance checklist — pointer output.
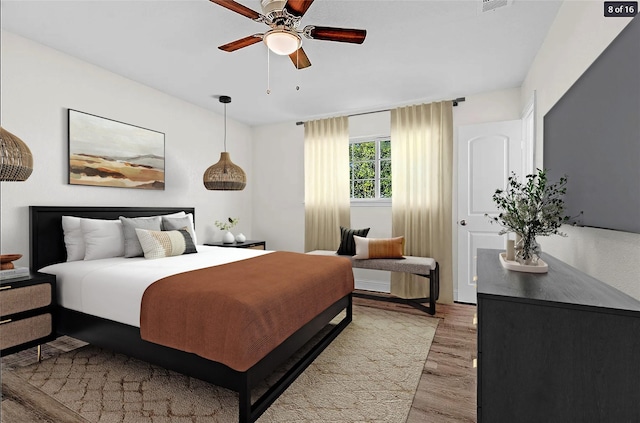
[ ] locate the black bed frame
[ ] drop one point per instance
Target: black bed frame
(47, 247)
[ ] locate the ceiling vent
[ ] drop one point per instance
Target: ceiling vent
(489, 5)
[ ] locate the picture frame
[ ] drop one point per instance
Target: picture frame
(108, 153)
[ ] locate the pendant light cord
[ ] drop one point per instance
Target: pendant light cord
(225, 127)
(225, 99)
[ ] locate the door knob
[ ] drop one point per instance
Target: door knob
(463, 222)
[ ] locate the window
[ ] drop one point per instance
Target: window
(370, 167)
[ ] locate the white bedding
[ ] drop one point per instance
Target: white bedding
(112, 288)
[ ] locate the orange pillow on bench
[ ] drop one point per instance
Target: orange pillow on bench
(372, 248)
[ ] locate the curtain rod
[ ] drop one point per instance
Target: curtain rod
(455, 103)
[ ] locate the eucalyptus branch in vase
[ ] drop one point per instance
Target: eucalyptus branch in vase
(230, 223)
(530, 209)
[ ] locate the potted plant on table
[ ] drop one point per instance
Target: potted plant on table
(228, 237)
(529, 209)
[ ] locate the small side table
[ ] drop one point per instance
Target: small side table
(251, 244)
(28, 306)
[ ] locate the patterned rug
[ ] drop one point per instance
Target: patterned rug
(368, 374)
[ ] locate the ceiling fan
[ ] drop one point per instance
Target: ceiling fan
(284, 37)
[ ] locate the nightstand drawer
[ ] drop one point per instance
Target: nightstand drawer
(256, 247)
(17, 332)
(24, 298)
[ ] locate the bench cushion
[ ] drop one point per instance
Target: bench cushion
(408, 264)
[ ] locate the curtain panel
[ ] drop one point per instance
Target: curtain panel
(422, 180)
(326, 182)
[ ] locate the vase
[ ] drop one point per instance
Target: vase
(241, 238)
(228, 238)
(527, 249)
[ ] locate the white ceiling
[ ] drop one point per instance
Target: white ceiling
(414, 51)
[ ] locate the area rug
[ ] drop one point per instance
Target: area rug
(368, 374)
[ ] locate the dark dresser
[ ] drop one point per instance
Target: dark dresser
(555, 347)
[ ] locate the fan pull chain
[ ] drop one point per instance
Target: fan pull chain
(298, 66)
(268, 73)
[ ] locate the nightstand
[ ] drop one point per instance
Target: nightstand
(254, 245)
(27, 307)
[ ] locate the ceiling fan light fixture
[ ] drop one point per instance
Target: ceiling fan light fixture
(282, 41)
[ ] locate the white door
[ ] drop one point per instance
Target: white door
(487, 154)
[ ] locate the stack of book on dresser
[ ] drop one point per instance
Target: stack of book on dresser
(18, 272)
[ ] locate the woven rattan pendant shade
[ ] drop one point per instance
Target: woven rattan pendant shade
(224, 175)
(16, 160)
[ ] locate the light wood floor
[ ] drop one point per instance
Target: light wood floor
(446, 392)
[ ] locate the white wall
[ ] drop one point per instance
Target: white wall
(278, 192)
(577, 37)
(493, 106)
(39, 84)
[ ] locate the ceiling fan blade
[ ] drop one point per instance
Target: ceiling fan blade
(238, 8)
(242, 42)
(300, 59)
(344, 35)
(298, 7)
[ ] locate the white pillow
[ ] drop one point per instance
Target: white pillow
(178, 214)
(102, 238)
(73, 239)
(170, 223)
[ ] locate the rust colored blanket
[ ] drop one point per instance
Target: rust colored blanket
(238, 312)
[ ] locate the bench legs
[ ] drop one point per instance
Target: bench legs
(434, 294)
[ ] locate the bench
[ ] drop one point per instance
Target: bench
(421, 266)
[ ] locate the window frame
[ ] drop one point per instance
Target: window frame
(377, 201)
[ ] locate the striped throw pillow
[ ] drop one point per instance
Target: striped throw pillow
(347, 244)
(158, 244)
(372, 248)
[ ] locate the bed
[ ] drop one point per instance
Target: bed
(120, 334)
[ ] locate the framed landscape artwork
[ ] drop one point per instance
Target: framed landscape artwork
(108, 153)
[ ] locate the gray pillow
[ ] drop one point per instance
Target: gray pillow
(177, 223)
(132, 247)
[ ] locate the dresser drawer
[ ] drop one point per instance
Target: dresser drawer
(24, 298)
(17, 332)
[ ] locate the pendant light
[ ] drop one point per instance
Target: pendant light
(224, 175)
(16, 160)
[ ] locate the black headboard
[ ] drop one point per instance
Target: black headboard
(45, 227)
